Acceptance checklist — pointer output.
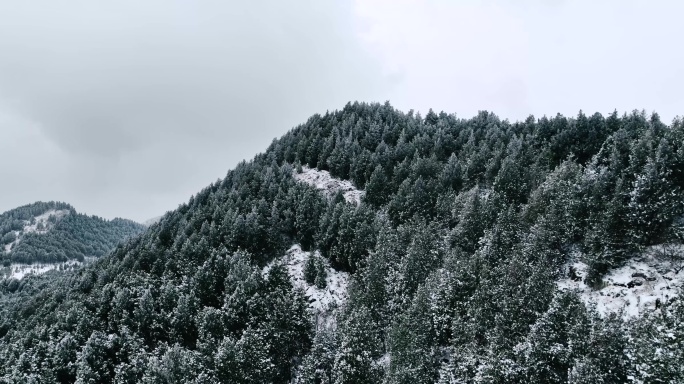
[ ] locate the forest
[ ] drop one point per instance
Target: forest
(64, 235)
(453, 253)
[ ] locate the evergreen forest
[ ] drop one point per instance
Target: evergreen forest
(453, 253)
(67, 235)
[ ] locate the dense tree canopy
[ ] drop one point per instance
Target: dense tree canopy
(453, 254)
(72, 236)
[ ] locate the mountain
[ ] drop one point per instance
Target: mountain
(54, 232)
(369, 245)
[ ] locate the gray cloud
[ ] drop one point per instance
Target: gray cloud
(144, 103)
(529, 56)
(126, 108)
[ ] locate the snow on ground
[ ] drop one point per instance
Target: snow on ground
(28, 228)
(8, 247)
(19, 270)
(40, 220)
(634, 288)
(325, 182)
(334, 293)
(324, 302)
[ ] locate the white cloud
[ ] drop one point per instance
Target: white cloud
(151, 101)
(126, 108)
(528, 57)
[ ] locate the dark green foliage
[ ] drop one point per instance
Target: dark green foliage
(315, 271)
(310, 269)
(355, 361)
(321, 274)
(555, 341)
(346, 234)
(452, 253)
(412, 345)
(657, 347)
(377, 188)
(309, 206)
(71, 237)
(317, 366)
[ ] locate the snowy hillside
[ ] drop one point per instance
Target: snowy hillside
(324, 302)
(330, 185)
(40, 224)
(20, 270)
(634, 288)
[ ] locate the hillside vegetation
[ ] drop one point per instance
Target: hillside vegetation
(454, 252)
(54, 232)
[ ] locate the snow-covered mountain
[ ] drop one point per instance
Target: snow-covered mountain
(40, 225)
(43, 236)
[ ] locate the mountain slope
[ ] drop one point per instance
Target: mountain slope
(55, 232)
(453, 255)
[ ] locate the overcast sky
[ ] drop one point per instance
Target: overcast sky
(126, 108)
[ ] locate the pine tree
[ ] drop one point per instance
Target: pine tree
(317, 365)
(412, 344)
(511, 180)
(655, 199)
(377, 187)
(94, 361)
(355, 360)
(608, 239)
(472, 221)
(310, 269)
(176, 365)
(555, 340)
(452, 175)
(656, 346)
(65, 358)
(307, 215)
(321, 274)
(424, 255)
(287, 324)
(603, 359)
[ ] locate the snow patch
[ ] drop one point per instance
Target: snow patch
(634, 288)
(384, 361)
(43, 219)
(39, 224)
(323, 302)
(8, 247)
(20, 270)
(322, 180)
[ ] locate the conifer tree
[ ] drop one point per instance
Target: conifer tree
(317, 365)
(310, 269)
(412, 344)
(377, 187)
(321, 274)
(355, 361)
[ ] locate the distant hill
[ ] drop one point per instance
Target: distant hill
(54, 232)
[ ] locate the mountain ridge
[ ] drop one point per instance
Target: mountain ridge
(452, 253)
(56, 232)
